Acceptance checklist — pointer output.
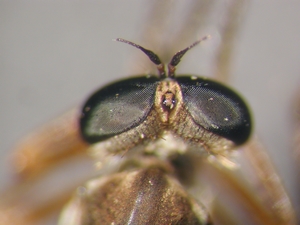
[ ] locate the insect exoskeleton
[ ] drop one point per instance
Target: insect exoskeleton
(200, 113)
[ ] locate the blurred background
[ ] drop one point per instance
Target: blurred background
(55, 53)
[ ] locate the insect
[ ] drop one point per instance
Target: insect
(165, 49)
(205, 114)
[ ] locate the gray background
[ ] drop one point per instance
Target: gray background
(54, 53)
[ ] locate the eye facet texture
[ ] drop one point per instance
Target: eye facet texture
(117, 108)
(216, 108)
(124, 105)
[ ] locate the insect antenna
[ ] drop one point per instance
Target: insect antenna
(177, 57)
(155, 59)
(152, 56)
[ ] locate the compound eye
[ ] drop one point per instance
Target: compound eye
(117, 108)
(216, 108)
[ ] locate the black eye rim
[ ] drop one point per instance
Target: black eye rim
(105, 91)
(239, 135)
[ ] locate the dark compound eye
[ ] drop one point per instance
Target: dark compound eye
(216, 108)
(217, 112)
(117, 108)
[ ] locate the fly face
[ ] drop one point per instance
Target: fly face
(202, 112)
(137, 111)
